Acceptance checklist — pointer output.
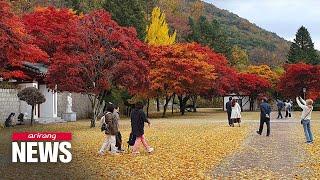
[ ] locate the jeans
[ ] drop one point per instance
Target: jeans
(229, 118)
(307, 130)
(109, 142)
(262, 121)
(279, 114)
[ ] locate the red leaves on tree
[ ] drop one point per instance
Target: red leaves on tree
(299, 76)
(252, 85)
(16, 46)
(54, 29)
(107, 55)
(180, 69)
(226, 81)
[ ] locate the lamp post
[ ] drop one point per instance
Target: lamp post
(304, 92)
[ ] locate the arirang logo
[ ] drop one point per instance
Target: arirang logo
(41, 147)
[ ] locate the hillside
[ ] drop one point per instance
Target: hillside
(263, 47)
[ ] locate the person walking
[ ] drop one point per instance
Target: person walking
(280, 106)
(116, 114)
(235, 112)
(307, 108)
(138, 118)
(287, 107)
(229, 109)
(109, 126)
(265, 111)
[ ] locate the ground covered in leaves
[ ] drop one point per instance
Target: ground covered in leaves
(188, 147)
(197, 146)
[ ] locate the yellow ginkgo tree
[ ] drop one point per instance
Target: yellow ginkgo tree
(158, 29)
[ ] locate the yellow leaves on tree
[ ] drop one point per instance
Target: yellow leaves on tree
(158, 30)
(239, 58)
(263, 71)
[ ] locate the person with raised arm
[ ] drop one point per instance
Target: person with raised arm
(307, 108)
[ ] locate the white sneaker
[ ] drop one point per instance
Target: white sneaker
(150, 150)
(101, 153)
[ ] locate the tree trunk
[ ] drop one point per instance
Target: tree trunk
(32, 110)
(148, 104)
(183, 101)
(173, 98)
(158, 105)
(93, 119)
(165, 106)
(194, 103)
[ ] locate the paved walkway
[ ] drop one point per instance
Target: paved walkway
(276, 157)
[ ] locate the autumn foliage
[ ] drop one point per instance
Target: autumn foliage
(16, 45)
(263, 71)
(107, 55)
(252, 85)
(54, 29)
(299, 76)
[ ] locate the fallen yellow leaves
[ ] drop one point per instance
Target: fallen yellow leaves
(183, 149)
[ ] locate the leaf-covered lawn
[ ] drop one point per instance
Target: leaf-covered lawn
(184, 148)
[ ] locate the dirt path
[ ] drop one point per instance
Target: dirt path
(277, 156)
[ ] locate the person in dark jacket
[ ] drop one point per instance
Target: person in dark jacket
(264, 116)
(9, 121)
(111, 131)
(138, 118)
(280, 106)
(229, 110)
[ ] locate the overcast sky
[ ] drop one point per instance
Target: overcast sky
(283, 17)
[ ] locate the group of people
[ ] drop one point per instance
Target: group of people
(233, 111)
(286, 105)
(11, 122)
(110, 126)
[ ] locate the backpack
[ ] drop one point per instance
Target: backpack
(105, 127)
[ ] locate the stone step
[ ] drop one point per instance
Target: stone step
(50, 120)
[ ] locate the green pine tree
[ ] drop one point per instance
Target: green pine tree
(210, 34)
(129, 13)
(302, 49)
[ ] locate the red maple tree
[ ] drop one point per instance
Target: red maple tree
(180, 69)
(54, 29)
(252, 85)
(16, 46)
(107, 55)
(299, 76)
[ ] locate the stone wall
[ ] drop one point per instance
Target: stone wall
(9, 102)
(80, 104)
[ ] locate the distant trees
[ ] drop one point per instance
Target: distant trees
(239, 58)
(129, 13)
(302, 49)
(299, 76)
(210, 34)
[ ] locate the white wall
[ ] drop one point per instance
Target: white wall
(48, 108)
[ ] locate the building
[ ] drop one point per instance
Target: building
(48, 112)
